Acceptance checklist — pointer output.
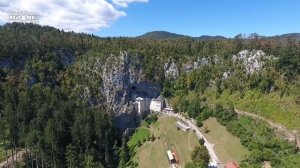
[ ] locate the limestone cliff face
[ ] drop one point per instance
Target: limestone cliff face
(252, 60)
(123, 81)
(171, 70)
(190, 66)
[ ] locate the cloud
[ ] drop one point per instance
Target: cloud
(76, 15)
(124, 3)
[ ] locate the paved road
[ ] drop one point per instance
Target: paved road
(287, 133)
(214, 162)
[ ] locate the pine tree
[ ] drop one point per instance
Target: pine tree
(11, 117)
(124, 154)
(71, 156)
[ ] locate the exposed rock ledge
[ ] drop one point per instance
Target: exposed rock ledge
(123, 81)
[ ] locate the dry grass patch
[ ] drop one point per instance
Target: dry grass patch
(227, 146)
(153, 154)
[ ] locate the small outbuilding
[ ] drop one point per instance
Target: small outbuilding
(182, 125)
(171, 157)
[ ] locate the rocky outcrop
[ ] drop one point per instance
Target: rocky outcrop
(252, 60)
(190, 66)
(171, 70)
(123, 81)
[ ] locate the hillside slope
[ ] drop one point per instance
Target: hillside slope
(159, 35)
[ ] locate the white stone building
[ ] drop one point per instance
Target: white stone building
(157, 104)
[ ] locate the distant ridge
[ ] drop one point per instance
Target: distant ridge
(206, 37)
(163, 35)
(160, 35)
(292, 36)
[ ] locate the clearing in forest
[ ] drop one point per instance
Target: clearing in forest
(227, 147)
(153, 154)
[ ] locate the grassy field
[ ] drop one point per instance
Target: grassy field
(153, 154)
(282, 110)
(139, 135)
(227, 147)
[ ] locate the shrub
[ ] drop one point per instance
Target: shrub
(199, 123)
(297, 100)
(201, 141)
(152, 138)
(206, 130)
(151, 118)
(139, 143)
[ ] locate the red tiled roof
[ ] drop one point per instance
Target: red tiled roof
(231, 165)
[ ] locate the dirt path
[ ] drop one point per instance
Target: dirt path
(286, 132)
(18, 155)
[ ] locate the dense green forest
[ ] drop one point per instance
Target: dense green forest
(43, 72)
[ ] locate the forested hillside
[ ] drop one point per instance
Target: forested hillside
(53, 85)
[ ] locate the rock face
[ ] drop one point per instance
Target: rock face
(252, 60)
(190, 66)
(171, 70)
(123, 81)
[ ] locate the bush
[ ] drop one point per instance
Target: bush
(201, 141)
(152, 138)
(139, 143)
(206, 130)
(297, 99)
(199, 123)
(134, 164)
(200, 155)
(151, 118)
(206, 113)
(224, 115)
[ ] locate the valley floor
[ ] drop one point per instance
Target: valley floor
(153, 154)
(222, 145)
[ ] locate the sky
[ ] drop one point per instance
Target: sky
(135, 17)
